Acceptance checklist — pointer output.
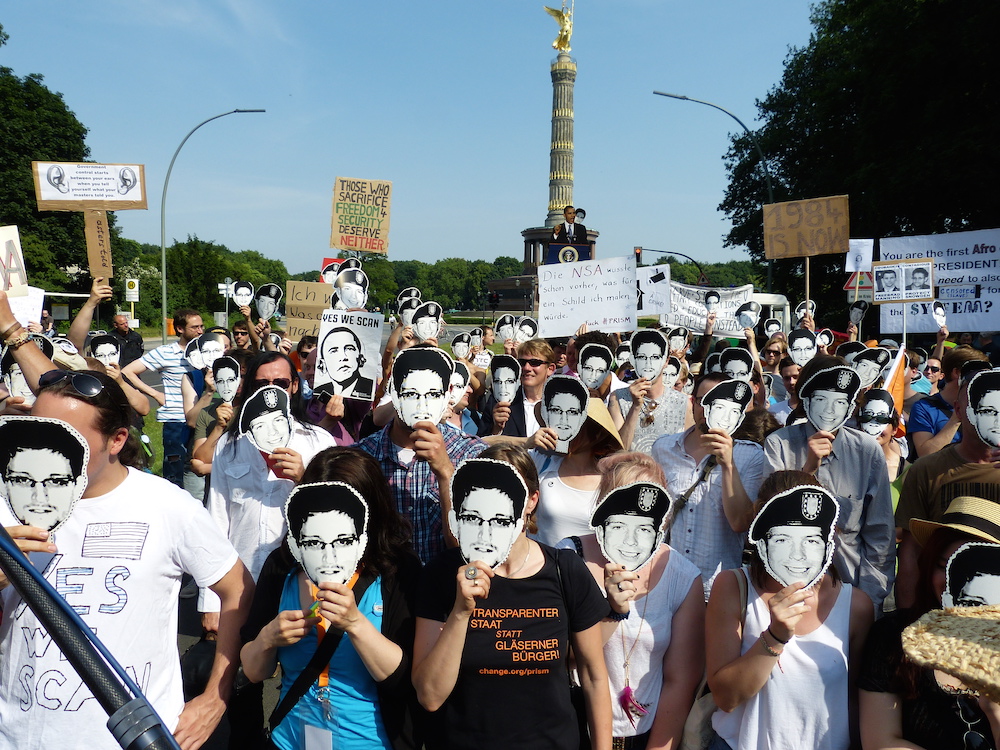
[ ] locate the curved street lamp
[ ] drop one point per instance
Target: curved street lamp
(760, 155)
(163, 214)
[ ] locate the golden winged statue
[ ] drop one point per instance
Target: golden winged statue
(564, 18)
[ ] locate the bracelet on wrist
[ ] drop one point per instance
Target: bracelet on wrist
(779, 640)
(18, 341)
(6, 334)
(770, 651)
(619, 616)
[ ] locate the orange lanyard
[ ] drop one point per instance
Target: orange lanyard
(324, 676)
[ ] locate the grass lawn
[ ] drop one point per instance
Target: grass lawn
(154, 431)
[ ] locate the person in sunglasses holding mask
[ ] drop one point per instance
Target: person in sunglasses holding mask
(125, 547)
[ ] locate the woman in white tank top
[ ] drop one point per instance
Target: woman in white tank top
(783, 676)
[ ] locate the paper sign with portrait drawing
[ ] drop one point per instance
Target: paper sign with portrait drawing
(427, 319)
(595, 363)
(972, 576)
(793, 534)
(876, 411)
(505, 377)
(327, 530)
(489, 500)
(43, 469)
(348, 360)
(629, 523)
(266, 419)
(564, 408)
(506, 326)
(725, 405)
(105, 349)
(984, 406)
(420, 384)
(226, 373)
(828, 397)
(527, 329)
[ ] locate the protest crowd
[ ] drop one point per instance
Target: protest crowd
(644, 539)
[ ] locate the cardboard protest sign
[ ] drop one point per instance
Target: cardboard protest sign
(972, 576)
(13, 274)
(43, 469)
(489, 499)
(348, 360)
(28, 308)
(266, 419)
(725, 405)
(361, 215)
(327, 530)
(796, 229)
(984, 406)
(419, 386)
(600, 293)
(427, 320)
(226, 373)
(70, 186)
(595, 362)
(793, 534)
(653, 283)
(629, 523)
(828, 397)
(564, 408)
(688, 310)
(505, 377)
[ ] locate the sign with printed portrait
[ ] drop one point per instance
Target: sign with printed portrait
(903, 280)
(72, 186)
(349, 354)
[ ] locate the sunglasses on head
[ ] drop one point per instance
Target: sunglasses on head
(83, 383)
(279, 382)
(532, 362)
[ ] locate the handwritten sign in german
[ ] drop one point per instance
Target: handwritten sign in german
(600, 293)
(361, 215)
(13, 274)
(688, 308)
(71, 186)
(797, 229)
(305, 303)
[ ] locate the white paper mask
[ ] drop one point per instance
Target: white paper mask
(801, 346)
(242, 293)
(649, 353)
(564, 408)
(876, 412)
(427, 321)
(505, 327)
(623, 354)
(505, 377)
(193, 355)
(211, 346)
(266, 419)
(459, 382)
(677, 339)
(711, 301)
(461, 345)
(857, 311)
(771, 327)
(870, 364)
(489, 499)
(527, 329)
(793, 534)
(105, 349)
(984, 406)
(629, 523)
(594, 364)
(226, 372)
(476, 337)
(411, 292)
(828, 397)
(940, 316)
(725, 405)
(351, 286)
(43, 469)
(805, 306)
(327, 530)
(406, 309)
(748, 314)
(736, 363)
(268, 297)
(421, 381)
(824, 337)
(972, 576)
(671, 371)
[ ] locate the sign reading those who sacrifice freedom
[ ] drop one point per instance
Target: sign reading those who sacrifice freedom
(361, 215)
(797, 229)
(600, 293)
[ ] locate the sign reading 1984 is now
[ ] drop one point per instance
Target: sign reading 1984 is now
(798, 229)
(361, 215)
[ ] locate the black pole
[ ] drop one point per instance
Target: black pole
(132, 721)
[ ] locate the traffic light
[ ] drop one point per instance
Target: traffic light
(638, 256)
(494, 300)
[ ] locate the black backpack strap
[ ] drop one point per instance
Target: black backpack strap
(319, 660)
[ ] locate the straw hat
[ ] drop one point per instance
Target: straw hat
(973, 515)
(598, 413)
(961, 641)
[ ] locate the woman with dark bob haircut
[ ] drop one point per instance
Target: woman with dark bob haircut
(363, 696)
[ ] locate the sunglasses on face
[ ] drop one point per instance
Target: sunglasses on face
(280, 382)
(532, 362)
(931, 368)
(878, 418)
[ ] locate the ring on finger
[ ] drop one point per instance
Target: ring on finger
(620, 586)
(471, 572)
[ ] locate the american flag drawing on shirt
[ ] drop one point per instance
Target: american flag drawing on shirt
(123, 539)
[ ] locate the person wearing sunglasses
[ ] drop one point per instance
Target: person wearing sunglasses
(771, 355)
(517, 419)
(125, 548)
(878, 417)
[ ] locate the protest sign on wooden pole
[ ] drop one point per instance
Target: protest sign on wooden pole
(92, 189)
(361, 215)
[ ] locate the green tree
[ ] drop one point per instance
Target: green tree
(893, 102)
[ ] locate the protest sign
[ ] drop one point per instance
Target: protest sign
(797, 229)
(68, 186)
(361, 215)
(348, 361)
(28, 308)
(305, 303)
(688, 310)
(653, 283)
(13, 274)
(967, 277)
(859, 257)
(600, 293)
(903, 280)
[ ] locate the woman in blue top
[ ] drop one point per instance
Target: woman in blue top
(363, 698)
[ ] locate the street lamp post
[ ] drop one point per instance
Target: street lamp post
(163, 215)
(760, 155)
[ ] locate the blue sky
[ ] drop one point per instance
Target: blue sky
(451, 101)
